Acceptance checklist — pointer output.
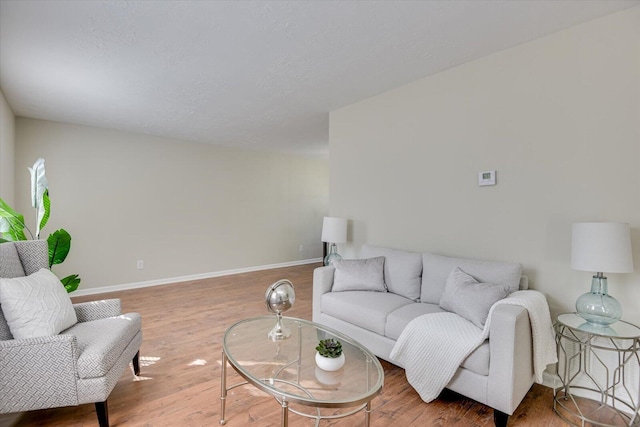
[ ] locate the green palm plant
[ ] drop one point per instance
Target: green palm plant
(12, 225)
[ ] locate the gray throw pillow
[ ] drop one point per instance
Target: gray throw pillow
(469, 298)
(436, 269)
(359, 275)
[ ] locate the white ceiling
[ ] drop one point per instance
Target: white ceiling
(253, 74)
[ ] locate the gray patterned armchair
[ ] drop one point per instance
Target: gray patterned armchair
(80, 365)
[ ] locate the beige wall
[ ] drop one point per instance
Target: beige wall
(7, 152)
(558, 118)
(183, 208)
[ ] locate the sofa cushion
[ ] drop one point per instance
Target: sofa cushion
(359, 275)
(368, 310)
(436, 269)
(402, 270)
(36, 305)
(478, 361)
(398, 319)
(102, 341)
(469, 298)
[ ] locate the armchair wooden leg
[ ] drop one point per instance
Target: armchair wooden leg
(103, 413)
(136, 363)
(500, 418)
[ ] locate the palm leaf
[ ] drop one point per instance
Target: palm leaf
(71, 282)
(11, 222)
(59, 246)
(46, 203)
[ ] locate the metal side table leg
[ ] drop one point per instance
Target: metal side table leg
(223, 388)
(367, 414)
(285, 413)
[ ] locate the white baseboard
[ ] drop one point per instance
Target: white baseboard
(148, 283)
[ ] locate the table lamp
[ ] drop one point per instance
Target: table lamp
(334, 230)
(600, 247)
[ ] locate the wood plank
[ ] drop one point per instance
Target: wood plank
(183, 325)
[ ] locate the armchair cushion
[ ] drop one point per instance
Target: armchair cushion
(36, 305)
(102, 342)
(10, 265)
(34, 255)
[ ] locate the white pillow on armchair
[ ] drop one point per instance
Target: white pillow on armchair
(36, 305)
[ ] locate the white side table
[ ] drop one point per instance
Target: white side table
(599, 369)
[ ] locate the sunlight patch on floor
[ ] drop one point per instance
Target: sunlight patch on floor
(148, 360)
(198, 362)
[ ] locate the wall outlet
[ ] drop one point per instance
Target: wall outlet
(140, 264)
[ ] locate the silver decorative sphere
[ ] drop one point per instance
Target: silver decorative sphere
(279, 298)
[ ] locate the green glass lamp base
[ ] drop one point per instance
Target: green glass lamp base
(597, 307)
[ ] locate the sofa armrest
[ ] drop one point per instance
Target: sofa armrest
(38, 373)
(94, 310)
(322, 283)
(511, 360)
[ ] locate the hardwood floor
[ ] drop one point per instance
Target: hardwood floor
(183, 325)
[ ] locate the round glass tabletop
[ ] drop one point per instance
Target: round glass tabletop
(619, 329)
(287, 368)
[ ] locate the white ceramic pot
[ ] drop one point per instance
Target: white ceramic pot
(329, 363)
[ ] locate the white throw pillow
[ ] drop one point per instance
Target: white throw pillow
(469, 298)
(359, 275)
(36, 305)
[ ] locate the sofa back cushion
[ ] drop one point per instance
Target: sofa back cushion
(436, 270)
(402, 270)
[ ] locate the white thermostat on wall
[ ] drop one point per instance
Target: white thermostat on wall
(487, 178)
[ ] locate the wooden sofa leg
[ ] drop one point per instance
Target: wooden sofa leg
(500, 418)
(103, 413)
(136, 363)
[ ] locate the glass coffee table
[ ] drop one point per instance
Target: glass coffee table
(286, 369)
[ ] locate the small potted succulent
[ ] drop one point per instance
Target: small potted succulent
(329, 356)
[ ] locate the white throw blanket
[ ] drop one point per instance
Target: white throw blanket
(431, 360)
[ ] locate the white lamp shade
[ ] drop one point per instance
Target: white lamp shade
(334, 230)
(601, 247)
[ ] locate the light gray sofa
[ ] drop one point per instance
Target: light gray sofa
(498, 373)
